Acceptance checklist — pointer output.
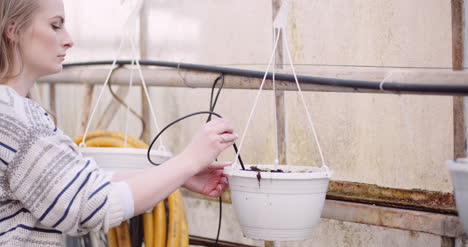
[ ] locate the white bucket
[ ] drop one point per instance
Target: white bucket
(459, 173)
(281, 206)
(117, 159)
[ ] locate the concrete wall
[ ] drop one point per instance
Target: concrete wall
(388, 140)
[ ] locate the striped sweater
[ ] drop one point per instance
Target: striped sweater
(46, 186)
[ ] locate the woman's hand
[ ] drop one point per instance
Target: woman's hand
(211, 181)
(194, 168)
(214, 137)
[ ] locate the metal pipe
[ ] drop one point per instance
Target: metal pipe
(201, 76)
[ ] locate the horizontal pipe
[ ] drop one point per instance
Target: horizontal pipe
(325, 80)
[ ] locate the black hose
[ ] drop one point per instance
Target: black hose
(178, 120)
(122, 102)
(355, 84)
(210, 113)
(136, 230)
(213, 103)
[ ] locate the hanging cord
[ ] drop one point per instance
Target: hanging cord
(128, 25)
(128, 107)
(256, 100)
(82, 144)
(122, 102)
(145, 89)
(212, 108)
(210, 113)
(213, 103)
(309, 117)
(276, 110)
(136, 230)
(148, 154)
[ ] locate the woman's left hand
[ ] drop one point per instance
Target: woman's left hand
(211, 181)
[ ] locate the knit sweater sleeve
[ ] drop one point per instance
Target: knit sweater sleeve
(57, 185)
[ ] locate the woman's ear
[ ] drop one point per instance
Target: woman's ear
(11, 33)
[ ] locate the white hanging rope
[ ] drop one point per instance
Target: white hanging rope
(82, 144)
(145, 89)
(309, 117)
(280, 21)
(127, 29)
(234, 163)
(276, 110)
(130, 84)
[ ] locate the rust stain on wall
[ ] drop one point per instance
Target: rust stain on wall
(421, 200)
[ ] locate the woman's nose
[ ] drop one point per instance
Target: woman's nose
(67, 42)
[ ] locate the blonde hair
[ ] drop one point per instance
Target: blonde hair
(20, 14)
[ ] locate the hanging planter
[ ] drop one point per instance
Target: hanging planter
(459, 174)
(113, 151)
(272, 204)
(116, 159)
(278, 206)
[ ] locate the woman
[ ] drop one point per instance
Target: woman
(46, 187)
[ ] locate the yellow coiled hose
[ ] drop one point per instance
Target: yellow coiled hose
(157, 231)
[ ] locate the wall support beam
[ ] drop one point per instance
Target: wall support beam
(458, 58)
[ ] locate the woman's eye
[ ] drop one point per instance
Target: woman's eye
(55, 27)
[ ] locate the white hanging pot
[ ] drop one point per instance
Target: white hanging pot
(278, 206)
(459, 173)
(116, 159)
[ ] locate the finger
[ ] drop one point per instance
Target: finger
(223, 187)
(219, 165)
(225, 145)
(217, 122)
(214, 193)
(223, 127)
(220, 189)
(217, 174)
(228, 137)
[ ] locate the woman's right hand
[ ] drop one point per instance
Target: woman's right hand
(214, 137)
(154, 184)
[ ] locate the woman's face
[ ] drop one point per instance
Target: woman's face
(44, 43)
